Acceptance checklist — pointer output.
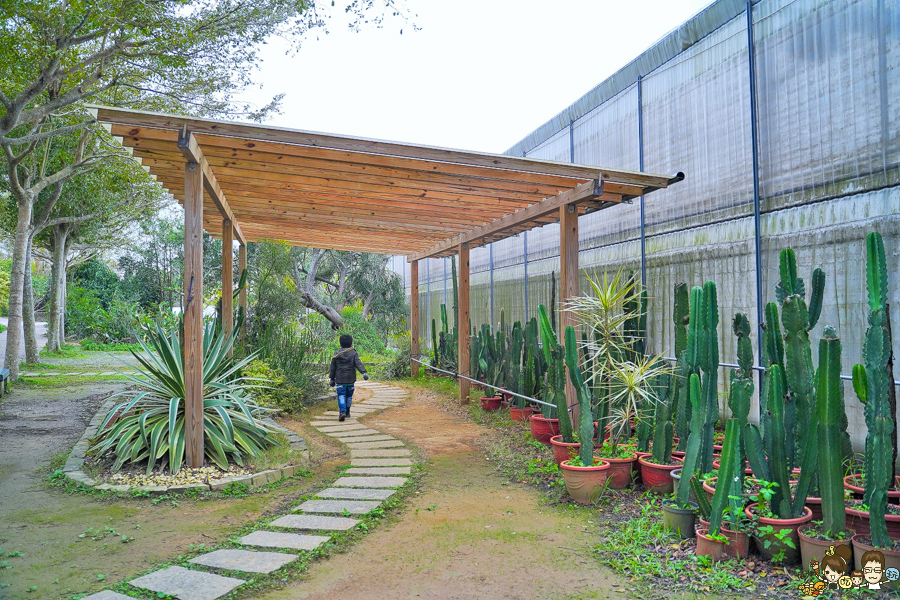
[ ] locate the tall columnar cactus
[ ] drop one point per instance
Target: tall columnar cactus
(662, 430)
(586, 421)
(692, 452)
(729, 486)
(702, 358)
(455, 293)
(873, 382)
(742, 378)
(554, 354)
(681, 405)
(829, 413)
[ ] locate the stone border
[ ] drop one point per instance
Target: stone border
(73, 468)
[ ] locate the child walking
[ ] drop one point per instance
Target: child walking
(344, 366)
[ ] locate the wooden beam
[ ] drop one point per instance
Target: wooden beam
(414, 316)
(228, 279)
(568, 261)
(464, 329)
(250, 133)
(189, 147)
(242, 296)
(585, 192)
(193, 314)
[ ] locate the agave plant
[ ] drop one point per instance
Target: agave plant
(151, 419)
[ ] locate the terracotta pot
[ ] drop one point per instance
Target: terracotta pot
(850, 482)
(636, 468)
(710, 489)
(491, 404)
(657, 478)
(563, 451)
(704, 524)
(891, 557)
(520, 414)
(677, 454)
(815, 505)
(738, 545)
(620, 471)
(791, 555)
(747, 469)
(585, 484)
(858, 520)
(813, 549)
(542, 428)
(708, 547)
(679, 520)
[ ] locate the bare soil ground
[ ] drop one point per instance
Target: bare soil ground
(468, 533)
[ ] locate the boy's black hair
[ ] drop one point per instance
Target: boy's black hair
(346, 340)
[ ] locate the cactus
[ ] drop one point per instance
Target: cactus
(635, 328)
(798, 369)
(434, 343)
(741, 389)
(874, 385)
(554, 355)
(662, 430)
(586, 421)
(702, 357)
(703, 505)
(829, 410)
(455, 281)
(691, 457)
(681, 405)
(731, 476)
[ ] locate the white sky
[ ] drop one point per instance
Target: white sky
(480, 75)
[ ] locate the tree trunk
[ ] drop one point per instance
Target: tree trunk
(64, 294)
(57, 274)
(31, 347)
(16, 287)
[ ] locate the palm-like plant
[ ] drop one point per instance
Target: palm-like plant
(633, 393)
(151, 419)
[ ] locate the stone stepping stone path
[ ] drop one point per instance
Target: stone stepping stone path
(377, 463)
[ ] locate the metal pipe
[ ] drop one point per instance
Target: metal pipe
(754, 141)
(640, 94)
(491, 264)
(445, 280)
(525, 253)
(758, 368)
(571, 141)
(483, 384)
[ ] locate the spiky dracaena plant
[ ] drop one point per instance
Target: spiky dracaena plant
(873, 382)
(151, 420)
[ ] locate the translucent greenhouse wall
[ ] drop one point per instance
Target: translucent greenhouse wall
(827, 77)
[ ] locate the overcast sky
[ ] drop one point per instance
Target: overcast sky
(479, 75)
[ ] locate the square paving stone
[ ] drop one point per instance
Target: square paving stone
(107, 595)
(367, 438)
(247, 561)
(370, 482)
(274, 539)
(315, 522)
(186, 584)
(357, 432)
(371, 445)
(383, 453)
(356, 494)
(380, 462)
(334, 428)
(378, 471)
(355, 507)
(331, 413)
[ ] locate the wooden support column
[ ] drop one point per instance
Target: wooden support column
(414, 315)
(569, 288)
(228, 278)
(242, 296)
(464, 328)
(193, 314)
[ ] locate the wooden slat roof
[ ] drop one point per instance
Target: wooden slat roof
(322, 190)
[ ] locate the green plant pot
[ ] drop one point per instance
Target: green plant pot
(680, 520)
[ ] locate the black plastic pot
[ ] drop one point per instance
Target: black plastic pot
(676, 480)
(680, 520)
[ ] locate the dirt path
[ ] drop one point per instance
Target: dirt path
(468, 533)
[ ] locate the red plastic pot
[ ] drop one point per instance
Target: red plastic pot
(710, 489)
(657, 478)
(491, 404)
(709, 547)
(815, 505)
(813, 549)
(738, 545)
(747, 469)
(775, 545)
(542, 428)
(850, 482)
(891, 557)
(858, 520)
(585, 484)
(562, 450)
(620, 471)
(520, 414)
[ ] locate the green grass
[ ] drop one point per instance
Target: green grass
(92, 346)
(67, 351)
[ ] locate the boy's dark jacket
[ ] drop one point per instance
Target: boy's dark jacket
(344, 366)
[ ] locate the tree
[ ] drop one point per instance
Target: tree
(184, 56)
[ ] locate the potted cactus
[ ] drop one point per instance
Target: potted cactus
(656, 469)
(873, 384)
(585, 476)
(727, 503)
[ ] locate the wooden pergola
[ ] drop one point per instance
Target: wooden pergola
(254, 182)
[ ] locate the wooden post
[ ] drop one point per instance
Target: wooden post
(242, 296)
(464, 327)
(569, 288)
(414, 316)
(228, 279)
(193, 314)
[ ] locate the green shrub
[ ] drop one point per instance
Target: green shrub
(400, 363)
(366, 338)
(296, 354)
